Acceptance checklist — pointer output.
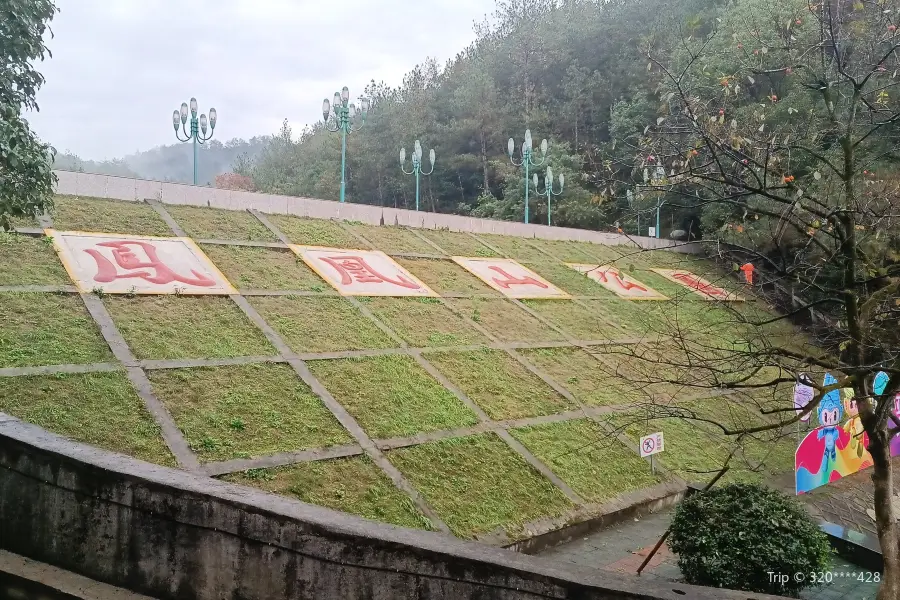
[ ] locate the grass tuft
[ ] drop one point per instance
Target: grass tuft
(499, 384)
(72, 213)
(101, 409)
(392, 396)
(176, 327)
(477, 484)
(354, 485)
(246, 411)
(25, 260)
(594, 464)
(48, 329)
(320, 324)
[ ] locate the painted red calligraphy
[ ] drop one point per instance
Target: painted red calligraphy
(152, 270)
(617, 278)
(355, 269)
(694, 282)
(511, 280)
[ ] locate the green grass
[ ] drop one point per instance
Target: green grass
(567, 279)
(394, 240)
(424, 322)
(579, 322)
(586, 378)
(320, 324)
(264, 268)
(48, 329)
(477, 484)
(392, 396)
(577, 252)
(457, 243)
(28, 221)
(519, 249)
(246, 411)
(101, 409)
(598, 467)
(107, 216)
(176, 327)
(690, 452)
(499, 384)
(25, 260)
(354, 485)
(632, 316)
(444, 276)
(506, 321)
(218, 224)
(315, 232)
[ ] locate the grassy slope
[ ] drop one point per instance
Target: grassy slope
(476, 484)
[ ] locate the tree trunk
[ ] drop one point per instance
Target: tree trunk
(886, 524)
(484, 163)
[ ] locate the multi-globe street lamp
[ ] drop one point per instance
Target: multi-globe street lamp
(338, 116)
(416, 165)
(198, 127)
(548, 188)
(527, 160)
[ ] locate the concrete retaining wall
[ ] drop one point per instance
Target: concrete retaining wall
(170, 534)
(121, 188)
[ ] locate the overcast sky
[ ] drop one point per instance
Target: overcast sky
(120, 67)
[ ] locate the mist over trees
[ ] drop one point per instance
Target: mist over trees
(171, 162)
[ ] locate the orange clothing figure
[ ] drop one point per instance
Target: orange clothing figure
(748, 273)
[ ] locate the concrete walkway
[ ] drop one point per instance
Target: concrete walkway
(623, 547)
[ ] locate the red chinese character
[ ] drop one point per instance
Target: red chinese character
(356, 269)
(510, 280)
(694, 282)
(618, 279)
(125, 257)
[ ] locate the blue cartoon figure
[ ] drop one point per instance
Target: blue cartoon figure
(831, 410)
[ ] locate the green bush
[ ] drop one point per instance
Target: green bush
(738, 536)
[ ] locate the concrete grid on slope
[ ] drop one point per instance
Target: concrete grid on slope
(364, 444)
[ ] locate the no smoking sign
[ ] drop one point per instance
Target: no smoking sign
(652, 444)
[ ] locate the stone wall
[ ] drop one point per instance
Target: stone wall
(121, 188)
(170, 534)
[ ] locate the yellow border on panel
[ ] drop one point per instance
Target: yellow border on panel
(298, 250)
(563, 295)
(63, 253)
(667, 273)
(657, 297)
(209, 263)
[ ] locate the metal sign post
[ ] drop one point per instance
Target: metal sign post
(651, 445)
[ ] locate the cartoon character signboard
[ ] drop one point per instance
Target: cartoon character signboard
(803, 395)
(833, 450)
(120, 264)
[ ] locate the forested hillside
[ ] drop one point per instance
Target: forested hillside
(573, 71)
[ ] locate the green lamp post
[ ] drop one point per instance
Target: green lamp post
(548, 188)
(416, 165)
(527, 160)
(338, 116)
(198, 130)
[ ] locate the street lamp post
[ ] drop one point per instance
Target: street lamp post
(527, 160)
(548, 188)
(341, 115)
(198, 127)
(416, 165)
